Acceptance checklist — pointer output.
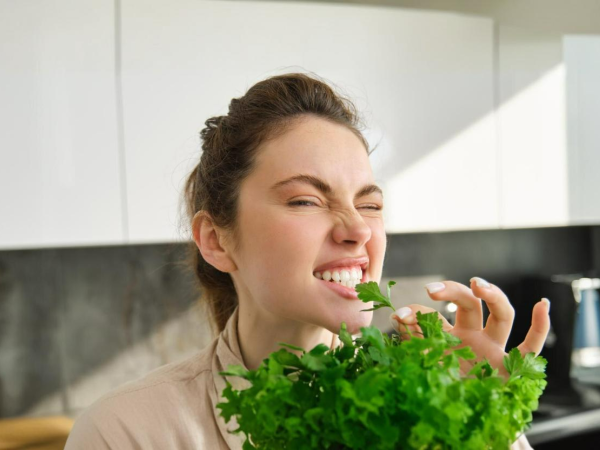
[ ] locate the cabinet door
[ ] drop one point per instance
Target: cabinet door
(59, 160)
(582, 64)
(550, 140)
(531, 117)
(423, 81)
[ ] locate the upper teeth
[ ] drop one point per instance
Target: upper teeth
(348, 278)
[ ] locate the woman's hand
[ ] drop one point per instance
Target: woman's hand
(489, 341)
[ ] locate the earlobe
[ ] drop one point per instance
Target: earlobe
(209, 241)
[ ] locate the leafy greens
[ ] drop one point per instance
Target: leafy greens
(380, 392)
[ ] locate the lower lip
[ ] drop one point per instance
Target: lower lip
(346, 292)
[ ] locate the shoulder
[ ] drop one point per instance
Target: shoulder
(152, 408)
(173, 375)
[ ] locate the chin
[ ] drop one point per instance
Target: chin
(354, 320)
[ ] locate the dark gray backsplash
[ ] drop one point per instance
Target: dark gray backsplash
(504, 254)
(66, 313)
(67, 316)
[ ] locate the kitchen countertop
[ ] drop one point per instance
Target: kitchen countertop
(572, 411)
(562, 427)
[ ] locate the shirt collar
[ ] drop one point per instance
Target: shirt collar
(227, 353)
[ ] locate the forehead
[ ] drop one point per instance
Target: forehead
(318, 147)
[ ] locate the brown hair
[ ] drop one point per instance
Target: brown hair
(229, 147)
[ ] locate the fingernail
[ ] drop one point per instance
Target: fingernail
(435, 287)
(404, 312)
(480, 282)
(400, 313)
(547, 302)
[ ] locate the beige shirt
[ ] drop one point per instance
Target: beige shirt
(174, 406)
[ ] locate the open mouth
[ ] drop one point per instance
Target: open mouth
(348, 276)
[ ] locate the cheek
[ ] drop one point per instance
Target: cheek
(377, 246)
(378, 239)
(279, 248)
(381, 241)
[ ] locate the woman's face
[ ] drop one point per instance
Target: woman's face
(290, 230)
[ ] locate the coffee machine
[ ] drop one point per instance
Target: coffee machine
(586, 342)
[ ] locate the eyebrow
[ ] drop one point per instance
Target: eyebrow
(323, 186)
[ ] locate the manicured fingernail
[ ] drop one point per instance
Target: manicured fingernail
(404, 312)
(547, 302)
(480, 282)
(399, 314)
(435, 287)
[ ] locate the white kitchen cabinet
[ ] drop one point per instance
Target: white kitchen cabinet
(582, 66)
(423, 80)
(60, 182)
(531, 119)
(549, 138)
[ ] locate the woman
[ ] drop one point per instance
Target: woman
(282, 198)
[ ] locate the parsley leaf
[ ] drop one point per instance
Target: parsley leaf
(368, 292)
(380, 392)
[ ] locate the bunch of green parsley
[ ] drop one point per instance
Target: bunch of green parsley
(380, 392)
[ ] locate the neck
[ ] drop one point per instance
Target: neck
(259, 333)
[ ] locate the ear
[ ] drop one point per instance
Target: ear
(210, 240)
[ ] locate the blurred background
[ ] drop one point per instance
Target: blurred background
(484, 113)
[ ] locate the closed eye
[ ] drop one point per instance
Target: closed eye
(309, 203)
(302, 203)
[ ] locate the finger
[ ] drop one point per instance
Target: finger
(407, 332)
(469, 313)
(408, 316)
(502, 314)
(397, 319)
(540, 325)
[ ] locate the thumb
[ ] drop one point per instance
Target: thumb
(401, 318)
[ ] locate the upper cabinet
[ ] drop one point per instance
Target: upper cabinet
(548, 135)
(531, 129)
(582, 66)
(474, 128)
(423, 81)
(59, 159)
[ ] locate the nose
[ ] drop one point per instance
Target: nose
(352, 229)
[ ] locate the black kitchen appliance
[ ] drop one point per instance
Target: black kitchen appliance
(573, 344)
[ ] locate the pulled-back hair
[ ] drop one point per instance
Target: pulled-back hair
(229, 147)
